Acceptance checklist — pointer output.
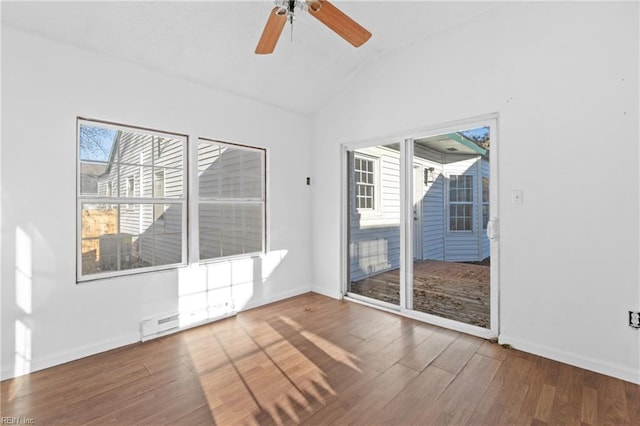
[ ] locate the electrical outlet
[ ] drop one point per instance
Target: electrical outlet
(634, 319)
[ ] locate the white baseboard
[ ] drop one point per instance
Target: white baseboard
(275, 298)
(48, 361)
(8, 371)
(325, 292)
(617, 371)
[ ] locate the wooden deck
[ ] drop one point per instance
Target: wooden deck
(315, 360)
(457, 291)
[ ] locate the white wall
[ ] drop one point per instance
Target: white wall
(564, 80)
(44, 87)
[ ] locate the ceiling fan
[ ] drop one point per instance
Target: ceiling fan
(322, 10)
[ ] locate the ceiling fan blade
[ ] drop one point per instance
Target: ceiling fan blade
(340, 23)
(271, 33)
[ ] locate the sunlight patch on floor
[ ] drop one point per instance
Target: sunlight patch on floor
(332, 350)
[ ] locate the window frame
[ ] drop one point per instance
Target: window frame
(197, 200)
(130, 202)
(451, 203)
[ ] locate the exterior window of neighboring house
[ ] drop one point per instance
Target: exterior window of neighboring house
(460, 203)
(364, 180)
(485, 202)
(129, 190)
(231, 199)
(139, 183)
(131, 186)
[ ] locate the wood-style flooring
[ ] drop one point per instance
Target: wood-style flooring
(315, 360)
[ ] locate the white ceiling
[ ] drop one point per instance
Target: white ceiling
(212, 42)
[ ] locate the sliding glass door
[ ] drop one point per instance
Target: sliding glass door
(451, 273)
(419, 212)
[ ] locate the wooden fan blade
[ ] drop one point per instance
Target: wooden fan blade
(271, 33)
(340, 23)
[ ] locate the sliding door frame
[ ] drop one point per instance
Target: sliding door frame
(406, 141)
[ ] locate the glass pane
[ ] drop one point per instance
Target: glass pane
(97, 151)
(168, 182)
(253, 175)
(96, 144)
(130, 180)
(485, 190)
(230, 229)
(92, 177)
(209, 172)
(136, 148)
(374, 237)
(226, 172)
(167, 152)
(231, 177)
(485, 216)
(119, 237)
(141, 181)
(451, 274)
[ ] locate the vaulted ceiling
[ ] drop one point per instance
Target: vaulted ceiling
(212, 42)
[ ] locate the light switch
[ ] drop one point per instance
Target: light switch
(516, 196)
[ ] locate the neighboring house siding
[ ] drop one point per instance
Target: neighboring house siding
(461, 246)
(433, 218)
(232, 222)
(486, 246)
(142, 157)
(433, 203)
(375, 235)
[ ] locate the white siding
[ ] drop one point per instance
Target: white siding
(374, 243)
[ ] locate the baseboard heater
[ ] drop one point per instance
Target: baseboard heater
(156, 327)
(170, 323)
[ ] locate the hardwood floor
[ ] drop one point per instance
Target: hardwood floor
(315, 360)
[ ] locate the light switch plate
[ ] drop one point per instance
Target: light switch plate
(516, 196)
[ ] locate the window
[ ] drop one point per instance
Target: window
(129, 191)
(231, 199)
(364, 179)
(131, 186)
(140, 179)
(460, 203)
(485, 202)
